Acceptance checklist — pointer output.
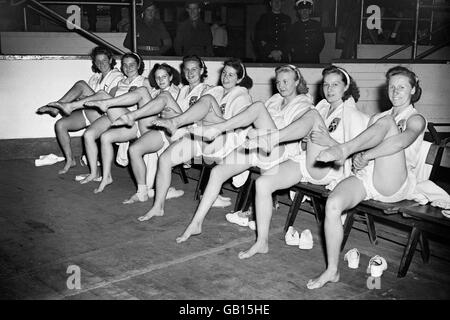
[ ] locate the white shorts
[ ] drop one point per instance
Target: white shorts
(331, 178)
(366, 177)
(86, 120)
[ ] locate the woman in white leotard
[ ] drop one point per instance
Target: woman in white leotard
(385, 156)
(105, 78)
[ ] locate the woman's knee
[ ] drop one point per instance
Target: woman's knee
(217, 174)
(334, 206)
(263, 185)
(135, 150)
(106, 138)
(61, 125)
(89, 136)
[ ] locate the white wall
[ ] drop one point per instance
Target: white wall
(29, 82)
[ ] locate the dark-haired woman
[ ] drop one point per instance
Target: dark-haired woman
(132, 67)
(105, 78)
(334, 120)
(385, 159)
(165, 79)
(154, 142)
(216, 105)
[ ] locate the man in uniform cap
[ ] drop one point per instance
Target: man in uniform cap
(271, 35)
(305, 38)
(152, 37)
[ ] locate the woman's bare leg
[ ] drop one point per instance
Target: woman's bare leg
(74, 122)
(140, 96)
(107, 139)
(196, 112)
(347, 194)
(79, 90)
(177, 153)
(90, 136)
(219, 174)
(281, 177)
(150, 142)
(69, 107)
(255, 114)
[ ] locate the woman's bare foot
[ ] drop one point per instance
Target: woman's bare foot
(124, 120)
(47, 109)
(65, 107)
(101, 104)
(137, 197)
(258, 247)
(154, 212)
(89, 178)
(324, 278)
(336, 154)
(209, 133)
(253, 133)
(69, 164)
(168, 124)
(105, 181)
(193, 229)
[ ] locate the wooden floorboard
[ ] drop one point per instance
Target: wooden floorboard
(49, 222)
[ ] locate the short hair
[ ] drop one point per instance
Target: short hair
(302, 87)
(197, 2)
(201, 64)
(236, 64)
(101, 50)
(137, 58)
(352, 90)
(412, 78)
(170, 71)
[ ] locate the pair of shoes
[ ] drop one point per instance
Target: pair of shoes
(80, 177)
(304, 241)
(352, 257)
(377, 265)
(221, 202)
(48, 159)
(240, 218)
(171, 193)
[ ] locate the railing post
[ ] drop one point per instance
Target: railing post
(416, 30)
(133, 24)
(361, 22)
(25, 23)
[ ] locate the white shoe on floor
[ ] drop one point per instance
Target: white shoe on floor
(80, 177)
(292, 237)
(352, 257)
(306, 240)
(377, 265)
(252, 225)
(174, 193)
(240, 218)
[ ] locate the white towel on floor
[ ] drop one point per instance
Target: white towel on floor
(48, 159)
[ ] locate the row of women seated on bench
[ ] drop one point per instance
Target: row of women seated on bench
(332, 143)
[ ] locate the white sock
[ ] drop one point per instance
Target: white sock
(142, 188)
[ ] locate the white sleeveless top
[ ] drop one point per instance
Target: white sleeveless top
(186, 99)
(123, 87)
(172, 89)
(412, 153)
(233, 102)
(110, 81)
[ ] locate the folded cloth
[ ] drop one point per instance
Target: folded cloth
(427, 191)
(240, 179)
(48, 159)
(446, 213)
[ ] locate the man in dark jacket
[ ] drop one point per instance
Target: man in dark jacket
(306, 39)
(193, 35)
(152, 37)
(271, 35)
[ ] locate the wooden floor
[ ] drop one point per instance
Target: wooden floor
(50, 222)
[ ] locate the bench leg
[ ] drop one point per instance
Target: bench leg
(245, 195)
(319, 209)
(408, 253)
(293, 210)
(348, 227)
(183, 174)
(425, 252)
(371, 228)
(202, 181)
